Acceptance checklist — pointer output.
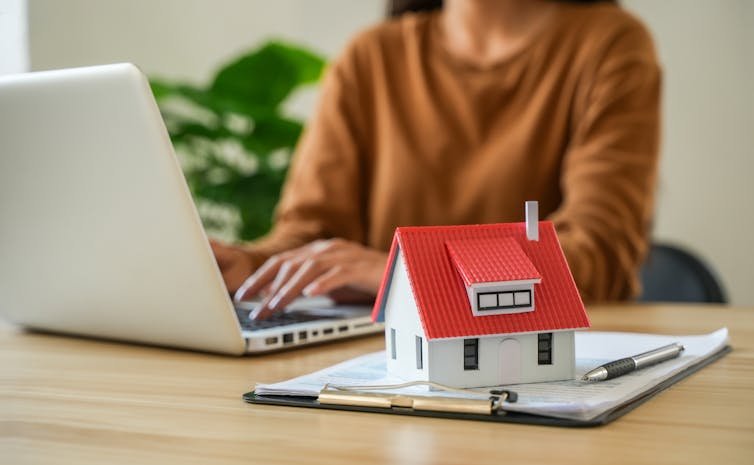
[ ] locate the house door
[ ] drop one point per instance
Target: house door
(510, 361)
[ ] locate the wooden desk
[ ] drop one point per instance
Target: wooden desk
(74, 401)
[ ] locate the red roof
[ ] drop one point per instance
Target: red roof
(440, 292)
(491, 260)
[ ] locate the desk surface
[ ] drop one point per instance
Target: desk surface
(65, 400)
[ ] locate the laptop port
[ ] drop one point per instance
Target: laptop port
(302, 335)
(315, 333)
(342, 329)
(328, 331)
(271, 340)
(287, 338)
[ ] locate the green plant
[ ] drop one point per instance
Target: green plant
(232, 137)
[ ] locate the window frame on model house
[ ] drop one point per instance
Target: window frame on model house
(393, 351)
(515, 295)
(419, 353)
(471, 354)
(544, 349)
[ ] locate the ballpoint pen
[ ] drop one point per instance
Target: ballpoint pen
(629, 364)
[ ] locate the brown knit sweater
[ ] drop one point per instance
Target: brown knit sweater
(406, 133)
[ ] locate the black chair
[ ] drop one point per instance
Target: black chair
(673, 274)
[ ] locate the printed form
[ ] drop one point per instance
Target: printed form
(571, 399)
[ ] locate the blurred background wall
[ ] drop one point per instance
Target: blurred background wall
(14, 56)
(706, 194)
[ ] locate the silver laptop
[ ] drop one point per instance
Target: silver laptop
(98, 233)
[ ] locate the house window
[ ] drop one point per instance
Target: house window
(544, 349)
(419, 361)
(487, 300)
(503, 300)
(471, 354)
(393, 352)
(522, 298)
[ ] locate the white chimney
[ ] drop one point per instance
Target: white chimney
(532, 220)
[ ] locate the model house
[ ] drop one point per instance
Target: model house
(481, 305)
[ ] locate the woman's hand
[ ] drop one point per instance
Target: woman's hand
(235, 264)
(319, 268)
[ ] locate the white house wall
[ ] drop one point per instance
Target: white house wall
(446, 360)
(402, 315)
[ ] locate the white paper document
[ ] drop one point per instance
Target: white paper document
(571, 399)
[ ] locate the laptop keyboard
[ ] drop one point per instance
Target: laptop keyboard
(277, 319)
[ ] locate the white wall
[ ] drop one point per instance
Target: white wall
(14, 56)
(706, 193)
(402, 315)
(188, 39)
(185, 38)
(706, 46)
(446, 360)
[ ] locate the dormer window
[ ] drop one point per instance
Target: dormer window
(498, 275)
(503, 300)
(502, 297)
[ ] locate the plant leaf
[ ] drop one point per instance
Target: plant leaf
(265, 77)
(271, 134)
(254, 85)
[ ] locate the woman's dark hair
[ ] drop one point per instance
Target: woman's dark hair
(398, 7)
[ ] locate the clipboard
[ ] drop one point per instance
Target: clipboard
(501, 417)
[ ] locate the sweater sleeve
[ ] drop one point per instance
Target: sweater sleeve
(323, 195)
(609, 170)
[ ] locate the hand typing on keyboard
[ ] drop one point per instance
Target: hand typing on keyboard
(342, 269)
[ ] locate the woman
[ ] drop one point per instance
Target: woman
(457, 116)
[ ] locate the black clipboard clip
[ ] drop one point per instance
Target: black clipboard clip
(489, 403)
